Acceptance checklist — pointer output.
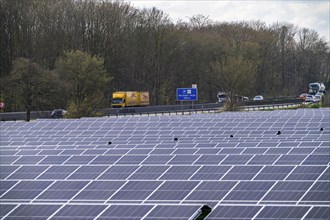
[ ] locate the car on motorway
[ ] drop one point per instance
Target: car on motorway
(245, 98)
(58, 113)
(317, 98)
(310, 98)
(258, 98)
(320, 94)
(303, 96)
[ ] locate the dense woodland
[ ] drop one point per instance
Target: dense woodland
(118, 47)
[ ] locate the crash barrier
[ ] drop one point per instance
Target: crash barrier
(16, 116)
(273, 101)
(170, 112)
(269, 107)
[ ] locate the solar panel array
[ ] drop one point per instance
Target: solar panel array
(132, 168)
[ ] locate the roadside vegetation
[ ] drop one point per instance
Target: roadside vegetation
(326, 100)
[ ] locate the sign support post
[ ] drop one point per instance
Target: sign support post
(187, 94)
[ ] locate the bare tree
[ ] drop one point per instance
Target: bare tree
(31, 85)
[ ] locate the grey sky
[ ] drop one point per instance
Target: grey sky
(314, 15)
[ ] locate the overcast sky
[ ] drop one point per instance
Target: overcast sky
(314, 15)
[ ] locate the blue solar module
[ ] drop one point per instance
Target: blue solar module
(325, 175)
(242, 173)
(210, 159)
(140, 151)
(148, 172)
(161, 150)
(99, 190)
(237, 159)
(62, 190)
(179, 173)
(282, 212)
(300, 150)
(28, 152)
(115, 152)
(208, 151)
(274, 173)
(183, 159)
(157, 159)
(132, 159)
(185, 150)
(49, 152)
(118, 172)
(278, 151)
(318, 193)
(33, 212)
(85, 212)
(233, 212)
(318, 213)
(125, 212)
(136, 190)
(175, 212)
(210, 173)
(6, 185)
(87, 172)
(94, 151)
(251, 191)
(50, 160)
(5, 209)
(105, 159)
(287, 191)
(255, 151)
(226, 151)
(29, 160)
(27, 172)
(57, 172)
(26, 190)
(7, 159)
(7, 152)
(317, 160)
(211, 191)
(306, 173)
(173, 190)
(6, 170)
(290, 159)
(263, 159)
(322, 150)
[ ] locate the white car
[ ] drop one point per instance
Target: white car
(258, 98)
(317, 98)
(310, 98)
(58, 113)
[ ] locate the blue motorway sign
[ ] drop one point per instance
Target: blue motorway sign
(186, 94)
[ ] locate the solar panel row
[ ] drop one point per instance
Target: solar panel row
(132, 168)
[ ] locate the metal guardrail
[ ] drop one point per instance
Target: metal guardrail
(269, 107)
(16, 116)
(171, 112)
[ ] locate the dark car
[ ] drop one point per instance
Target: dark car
(58, 113)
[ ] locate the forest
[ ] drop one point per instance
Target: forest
(75, 53)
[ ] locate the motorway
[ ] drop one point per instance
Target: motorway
(161, 109)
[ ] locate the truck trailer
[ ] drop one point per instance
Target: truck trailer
(124, 99)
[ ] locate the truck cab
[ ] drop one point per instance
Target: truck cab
(316, 87)
(130, 99)
(118, 100)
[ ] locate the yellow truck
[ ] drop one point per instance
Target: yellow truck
(129, 99)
